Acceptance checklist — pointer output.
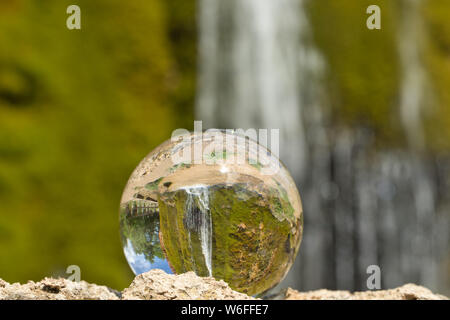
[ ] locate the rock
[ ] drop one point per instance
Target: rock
(157, 285)
(3, 283)
(55, 289)
(405, 292)
(322, 294)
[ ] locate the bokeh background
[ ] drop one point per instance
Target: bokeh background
(364, 117)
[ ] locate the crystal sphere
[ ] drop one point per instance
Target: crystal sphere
(216, 203)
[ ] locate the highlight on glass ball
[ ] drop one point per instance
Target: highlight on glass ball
(216, 203)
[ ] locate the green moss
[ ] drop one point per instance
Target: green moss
(251, 247)
(79, 110)
(437, 53)
(153, 186)
(250, 243)
(281, 206)
(179, 166)
(363, 70)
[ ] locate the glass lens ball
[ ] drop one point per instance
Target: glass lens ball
(216, 203)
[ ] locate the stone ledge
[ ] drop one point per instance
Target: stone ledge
(405, 292)
(157, 285)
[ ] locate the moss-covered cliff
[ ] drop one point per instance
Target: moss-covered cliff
(78, 111)
(364, 71)
(252, 245)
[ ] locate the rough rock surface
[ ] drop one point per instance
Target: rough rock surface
(405, 292)
(157, 285)
(3, 283)
(55, 289)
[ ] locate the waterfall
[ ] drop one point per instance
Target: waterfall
(259, 68)
(198, 219)
(247, 77)
(414, 82)
(413, 100)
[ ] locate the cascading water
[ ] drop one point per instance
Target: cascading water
(239, 82)
(363, 206)
(414, 80)
(198, 220)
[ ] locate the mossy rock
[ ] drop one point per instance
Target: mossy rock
(252, 247)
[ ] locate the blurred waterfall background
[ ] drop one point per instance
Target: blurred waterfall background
(364, 120)
(369, 197)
